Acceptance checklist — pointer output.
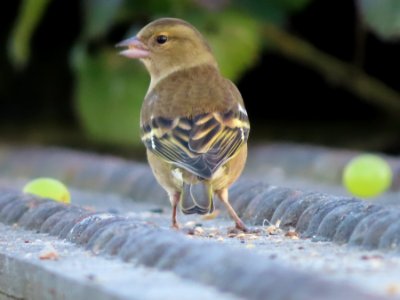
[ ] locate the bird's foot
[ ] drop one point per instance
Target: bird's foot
(175, 226)
(243, 228)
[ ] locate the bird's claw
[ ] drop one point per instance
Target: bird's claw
(243, 228)
(175, 226)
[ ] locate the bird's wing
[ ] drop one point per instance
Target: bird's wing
(199, 144)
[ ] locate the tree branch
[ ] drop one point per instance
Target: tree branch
(340, 73)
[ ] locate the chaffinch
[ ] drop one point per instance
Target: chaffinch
(193, 120)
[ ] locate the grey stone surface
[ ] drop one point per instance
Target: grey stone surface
(324, 165)
(319, 211)
(313, 214)
(78, 274)
(355, 214)
(264, 205)
(228, 270)
(240, 200)
(361, 231)
(309, 212)
(331, 222)
(139, 239)
(390, 239)
(288, 202)
(374, 234)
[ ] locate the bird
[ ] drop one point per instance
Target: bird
(193, 121)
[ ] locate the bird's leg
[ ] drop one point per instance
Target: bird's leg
(223, 196)
(175, 197)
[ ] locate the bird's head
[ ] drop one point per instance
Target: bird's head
(167, 45)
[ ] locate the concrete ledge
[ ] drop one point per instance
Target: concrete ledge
(319, 216)
(318, 163)
(78, 274)
(241, 273)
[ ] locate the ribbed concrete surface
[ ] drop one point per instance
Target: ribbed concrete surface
(77, 274)
(241, 273)
(314, 215)
(324, 165)
(148, 242)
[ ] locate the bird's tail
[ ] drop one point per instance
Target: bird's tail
(197, 198)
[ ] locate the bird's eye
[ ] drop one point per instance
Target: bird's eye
(161, 39)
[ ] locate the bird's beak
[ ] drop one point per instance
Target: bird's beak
(136, 48)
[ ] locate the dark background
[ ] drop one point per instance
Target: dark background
(287, 100)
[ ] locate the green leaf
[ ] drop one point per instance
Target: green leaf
(270, 11)
(383, 16)
(109, 94)
(99, 16)
(235, 40)
(293, 5)
(152, 9)
(28, 18)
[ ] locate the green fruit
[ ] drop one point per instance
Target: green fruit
(48, 188)
(367, 175)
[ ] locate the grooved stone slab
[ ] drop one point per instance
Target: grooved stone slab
(80, 275)
(141, 244)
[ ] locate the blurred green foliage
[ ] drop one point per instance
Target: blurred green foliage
(109, 94)
(383, 16)
(235, 41)
(110, 89)
(99, 15)
(30, 13)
